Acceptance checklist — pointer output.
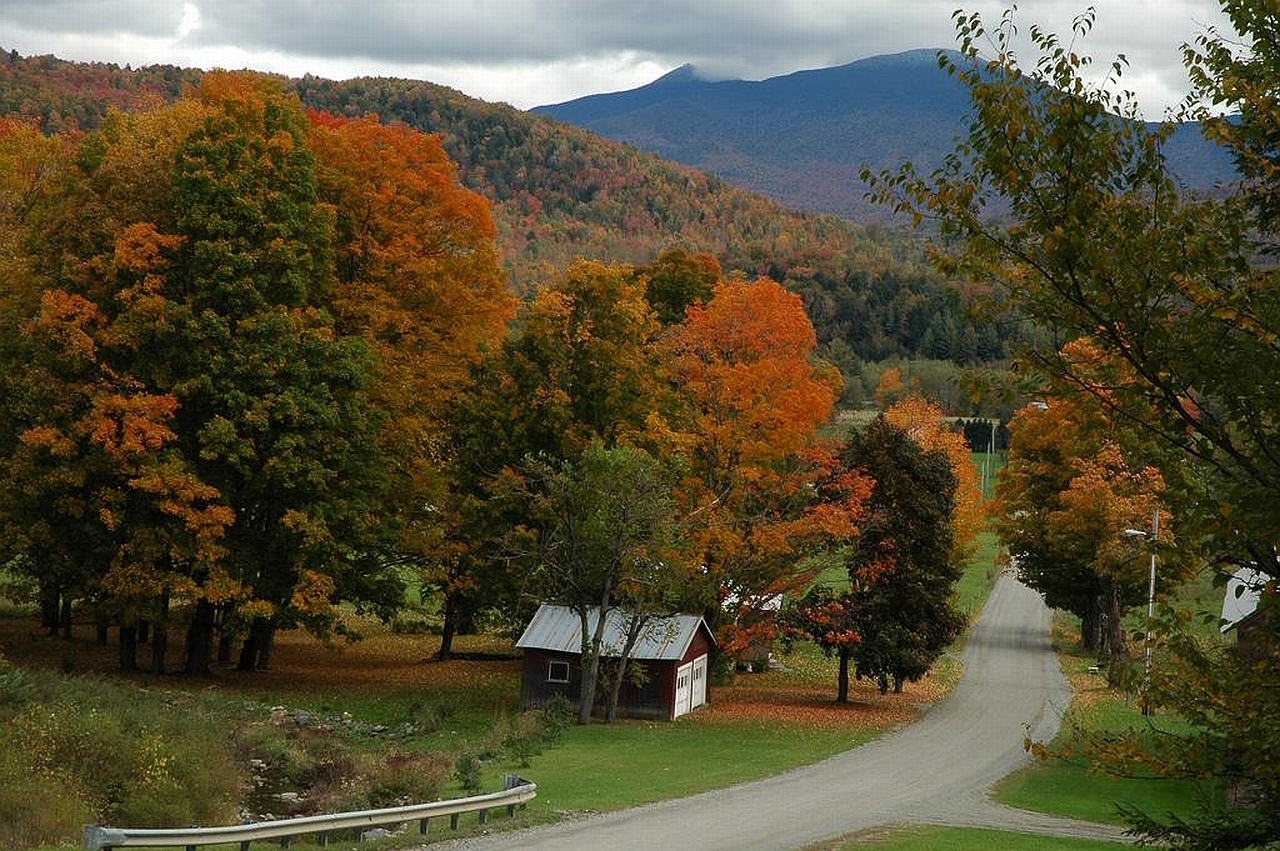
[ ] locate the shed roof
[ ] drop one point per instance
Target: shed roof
(558, 628)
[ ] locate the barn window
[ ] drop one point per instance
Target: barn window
(557, 672)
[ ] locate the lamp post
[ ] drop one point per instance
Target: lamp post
(1151, 602)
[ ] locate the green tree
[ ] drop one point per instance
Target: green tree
(678, 279)
(579, 367)
(901, 571)
(1098, 242)
(606, 540)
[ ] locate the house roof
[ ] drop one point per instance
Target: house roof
(558, 628)
(1244, 590)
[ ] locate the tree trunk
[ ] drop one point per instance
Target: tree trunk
(144, 630)
(635, 628)
(159, 649)
(267, 645)
(101, 623)
(255, 653)
(450, 626)
(128, 641)
(64, 618)
(200, 640)
(226, 646)
(1118, 651)
(1089, 624)
(587, 689)
(897, 684)
(160, 637)
(49, 597)
(842, 679)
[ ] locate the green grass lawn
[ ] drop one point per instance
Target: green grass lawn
(959, 839)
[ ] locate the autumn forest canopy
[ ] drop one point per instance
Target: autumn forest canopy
(274, 351)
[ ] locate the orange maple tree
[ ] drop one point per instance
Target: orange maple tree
(759, 485)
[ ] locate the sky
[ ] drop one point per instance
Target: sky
(534, 52)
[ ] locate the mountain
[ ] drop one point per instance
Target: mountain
(803, 138)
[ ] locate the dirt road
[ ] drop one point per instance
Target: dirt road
(934, 771)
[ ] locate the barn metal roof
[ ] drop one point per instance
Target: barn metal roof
(558, 628)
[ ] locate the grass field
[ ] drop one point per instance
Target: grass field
(931, 838)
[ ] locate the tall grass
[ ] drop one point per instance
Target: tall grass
(88, 750)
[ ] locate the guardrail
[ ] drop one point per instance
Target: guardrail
(516, 793)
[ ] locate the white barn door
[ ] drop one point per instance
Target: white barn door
(698, 683)
(684, 689)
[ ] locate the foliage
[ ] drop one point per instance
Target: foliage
(1075, 481)
(1099, 242)
(559, 193)
(240, 328)
(923, 423)
(901, 568)
(831, 621)
(758, 483)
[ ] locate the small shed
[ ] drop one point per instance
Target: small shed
(672, 652)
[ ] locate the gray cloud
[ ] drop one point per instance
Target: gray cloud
(574, 46)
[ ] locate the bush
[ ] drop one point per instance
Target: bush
(407, 778)
(467, 772)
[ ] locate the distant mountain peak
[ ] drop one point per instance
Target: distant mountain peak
(684, 74)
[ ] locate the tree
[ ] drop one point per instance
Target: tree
(605, 540)
(1098, 241)
(418, 278)
(901, 571)
(678, 279)
(250, 366)
(1075, 479)
(579, 368)
(831, 620)
(923, 423)
(758, 483)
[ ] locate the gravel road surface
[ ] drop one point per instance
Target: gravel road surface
(935, 771)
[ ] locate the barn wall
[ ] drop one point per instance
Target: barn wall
(535, 690)
(650, 701)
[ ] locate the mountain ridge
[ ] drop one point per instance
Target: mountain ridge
(804, 137)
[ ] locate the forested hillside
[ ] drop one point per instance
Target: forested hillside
(559, 193)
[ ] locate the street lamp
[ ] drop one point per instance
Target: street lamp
(1151, 602)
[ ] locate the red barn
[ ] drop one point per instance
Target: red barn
(672, 650)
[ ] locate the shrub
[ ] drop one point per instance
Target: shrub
(467, 772)
(406, 778)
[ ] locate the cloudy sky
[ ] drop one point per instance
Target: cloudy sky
(530, 52)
